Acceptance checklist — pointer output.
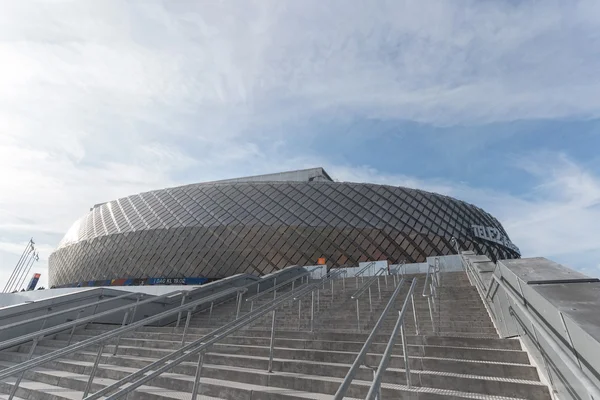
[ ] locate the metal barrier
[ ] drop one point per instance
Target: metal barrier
(274, 288)
(78, 309)
(100, 339)
(199, 347)
(331, 276)
(362, 271)
(345, 385)
(433, 278)
(127, 325)
(375, 390)
(366, 286)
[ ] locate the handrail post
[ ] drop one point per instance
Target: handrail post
(20, 378)
(299, 311)
(187, 325)
(74, 326)
(90, 381)
(239, 304)
(196, 387)
(332, 291)
(212, 303)
(131, 320)
(370, 300)
(358, 314)
(119, 337)
(272, 344)
(318, 300)
(412, 299)
(379, 287)
(179, 313)
(405, 352)
(312, 311)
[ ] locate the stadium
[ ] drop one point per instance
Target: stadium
(201, 232)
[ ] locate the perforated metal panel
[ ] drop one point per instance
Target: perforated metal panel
(220, 229)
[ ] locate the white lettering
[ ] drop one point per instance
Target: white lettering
(493, 235)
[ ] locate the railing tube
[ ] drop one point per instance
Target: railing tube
(312, 311)
(340, 393)
(20, 378)
(90, 381)
(272, 344)
(119, 337)
(399, 326)
(179, 313)
(196, 387)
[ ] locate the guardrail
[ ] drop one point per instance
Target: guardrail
(362, 271)
(364, 287)
(199, 347)
(375, 390)
(345, 385)
(100, 339)
(127, 325)
(78, 309)
(433, 278)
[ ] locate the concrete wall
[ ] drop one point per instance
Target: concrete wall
(563, 302)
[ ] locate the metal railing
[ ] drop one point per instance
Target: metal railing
(78, 309)
(362, 271)
(273, 289)
(200, 347)
(331, 275)
(364, 287)
(128, 310)
(100, 339)
(375, 390)
(360, 358)
(432, 282)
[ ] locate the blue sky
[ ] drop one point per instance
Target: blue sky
(495, 103)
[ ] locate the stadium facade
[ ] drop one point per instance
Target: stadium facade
(262, 224)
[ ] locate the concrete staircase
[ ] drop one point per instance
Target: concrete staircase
(459, 356)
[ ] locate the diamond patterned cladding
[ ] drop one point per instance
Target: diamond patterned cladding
(218, 230)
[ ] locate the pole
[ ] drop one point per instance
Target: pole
(17, 276)
(35, 257)
(272, 344)
(27, 247)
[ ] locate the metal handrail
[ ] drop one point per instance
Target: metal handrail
(369, 265)
(199, 346)
(339, 394)
(331, 275)
(367, 285)
(36, 362)
(279, 285)
(91, 318)
(374, 391)
(78, 308)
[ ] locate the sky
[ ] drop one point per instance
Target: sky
(493, 102)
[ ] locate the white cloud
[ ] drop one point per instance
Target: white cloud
(104, 99)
